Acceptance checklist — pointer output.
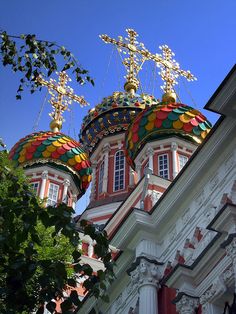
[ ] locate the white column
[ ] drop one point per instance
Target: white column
(105, 150)
(174, 147)
(147, 277)
(43, 184)
(74, 199)
(66, 184)
(93, 187)
(150, 153)
(138, 170)
(90, 249)
(131, 177)
(187, 305)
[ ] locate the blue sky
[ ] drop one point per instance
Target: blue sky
(201, 33)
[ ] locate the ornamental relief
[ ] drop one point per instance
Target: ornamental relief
(204, 206)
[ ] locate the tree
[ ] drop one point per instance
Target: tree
(30, 274)
(32, 57)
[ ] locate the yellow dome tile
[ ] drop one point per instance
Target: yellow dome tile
(177, 124)
(131, 144)
(23, 152)
(152, 117)
(149, 126)
(72, 161)
(185, 118)
(77, 159)
(129, 135)
(190, 114)
(51, 148)
(56, 144)
(46, 154)
(21, 159)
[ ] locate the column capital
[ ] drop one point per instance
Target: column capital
(106, 148)
(149, 151)
(174, 146)
(145, 271)
(66, 182)
(186, 304)
(44, 174)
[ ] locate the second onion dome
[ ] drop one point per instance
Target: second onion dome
(164, 120)
(113, 115)
(56, 149)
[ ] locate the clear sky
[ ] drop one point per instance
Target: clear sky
(202, 33)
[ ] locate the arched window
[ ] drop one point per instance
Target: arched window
(119, 171)
(100, 177)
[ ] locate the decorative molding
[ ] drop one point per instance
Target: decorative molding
(174, 146)
(186, 304)
(45, 175)
(66, 182)
(216, 289)
(155, 195)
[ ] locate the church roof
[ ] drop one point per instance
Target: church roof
(55, 148)
(164, 120)
(113, 115)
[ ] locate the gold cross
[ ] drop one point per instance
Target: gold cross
(170, 69)
(137, 55)
(61, 97)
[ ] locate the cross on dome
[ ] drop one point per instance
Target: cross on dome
(170, 70)
(137, 56)
(61, 97)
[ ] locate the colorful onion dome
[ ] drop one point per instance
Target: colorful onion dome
(112, 115)
(164, 120)
(56, 149)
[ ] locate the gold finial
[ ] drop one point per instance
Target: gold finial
(170, 71)
(133, 63)
(64, 98)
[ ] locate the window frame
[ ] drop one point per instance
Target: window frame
(36, 190)
(182, 156)
(53, 202)
(168, 166)
(115, 171)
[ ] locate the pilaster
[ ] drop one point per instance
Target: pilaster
(174, 148)
(150, 153)
(66, 184)
(43, 184)
(106, 149)
(138, 170)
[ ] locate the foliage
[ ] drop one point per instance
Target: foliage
(35, 266)
(33, 57)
